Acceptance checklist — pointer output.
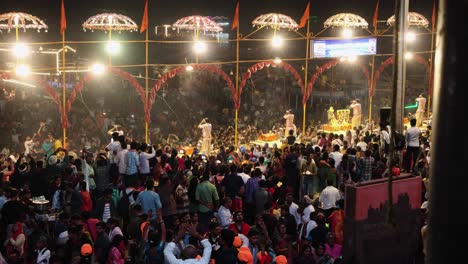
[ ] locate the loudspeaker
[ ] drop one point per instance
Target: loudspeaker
(385, 115)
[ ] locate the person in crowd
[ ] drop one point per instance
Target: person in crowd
(412, 146)
(207, 198)
(189, 253)
(15, 244)
(105, 207)
(117, 251)
(150, 201)
(328, 198)
(239, 226)
(224, 213)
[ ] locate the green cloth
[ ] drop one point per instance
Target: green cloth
(206, 194)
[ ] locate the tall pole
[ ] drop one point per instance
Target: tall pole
(399, 70)
(236, 135)
(64, 86)
(371, 89)
(110, 39)
(146, 84)
(431, 73)
(306, 71)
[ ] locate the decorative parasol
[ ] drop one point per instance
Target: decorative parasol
(201, 23)
(415, 19)
(275, 21)
(111, 22)
(346, 20)
(25, 21)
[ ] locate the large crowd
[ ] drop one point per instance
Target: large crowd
(133, 202)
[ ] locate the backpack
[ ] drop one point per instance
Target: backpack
(124, 204)
(400, 141)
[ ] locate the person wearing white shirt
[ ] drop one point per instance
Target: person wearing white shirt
(189, 253)
(245, 177)
(289, 125)
(306, 213)
(362, 144)
(206, 136)
(144, 161)
(420, 111)
(336, 155)
(328, 198)
(28, 145)
(293, 208)
(43, 253)
(385, 139)
(224, 213)
(412, 145)
(114, 147)
(356, 107)
(121, 160)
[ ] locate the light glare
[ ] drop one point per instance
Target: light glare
(22, 70)
(20, 50)
(408, 55)
(277, 60)
(199, 47)
(98, 68)
(410, 36)
(113, 47)
(189, 68)
(347, 33)
(277, 41)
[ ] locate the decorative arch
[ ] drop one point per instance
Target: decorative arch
(172, 73)
(259, 66)
(419, 59)
(50, 91)
(326, 66)
(87, 78)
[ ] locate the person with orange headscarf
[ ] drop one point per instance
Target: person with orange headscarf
(16, 244)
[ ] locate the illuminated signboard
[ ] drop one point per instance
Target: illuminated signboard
(335, 48)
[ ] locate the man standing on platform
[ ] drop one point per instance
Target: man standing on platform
(420, 111)
(206, 136)
(356, 107)
(289, 117)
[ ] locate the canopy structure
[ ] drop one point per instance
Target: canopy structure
(414, 19)
(275, 20)
(346, 20)
(15, 20)
(197, 23)
(110, 21)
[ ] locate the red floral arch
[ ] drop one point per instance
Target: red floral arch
(50, 91)
(172, 73)
(87, 78)
(326, 66)
(419, 59)
(259, 66)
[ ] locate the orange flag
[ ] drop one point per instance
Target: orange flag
(305, 16)
(434, 16)
(144, 20)
(63, 20)
(376, 15)
(235, 20)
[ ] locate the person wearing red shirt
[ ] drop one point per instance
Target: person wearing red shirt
(239, 226)
(87, 204)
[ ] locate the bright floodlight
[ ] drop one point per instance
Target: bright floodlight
(22, 70)
(352, 58)
(113, 47)
(20, 50)
(408, 55)
(347, 33)
(189, 68)
(410, 36)
(199, 47)
(277, 60)
(277, 41)
(98, 68)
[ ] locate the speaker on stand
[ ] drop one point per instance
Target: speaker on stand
(385, 116)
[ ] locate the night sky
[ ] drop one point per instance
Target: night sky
(167, 12)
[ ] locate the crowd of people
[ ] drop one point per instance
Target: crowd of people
(133, 202)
